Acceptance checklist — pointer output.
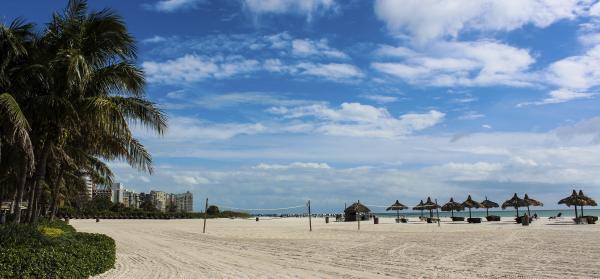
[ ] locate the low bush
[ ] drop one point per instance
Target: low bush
(39, 252)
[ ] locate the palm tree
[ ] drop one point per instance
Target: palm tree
(79, 91)
(15, 45)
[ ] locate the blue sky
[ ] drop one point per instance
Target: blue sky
(274, 102)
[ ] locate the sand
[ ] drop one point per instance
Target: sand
(283, 248)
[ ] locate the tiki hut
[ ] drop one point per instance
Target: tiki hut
(452, 206)
(531, 202)
(487, 204)
(514, 202)
(574, 200)
(397, 206)
(586, 201)
(429, 205)
(352, 212)
(420, 207)
(470, 203)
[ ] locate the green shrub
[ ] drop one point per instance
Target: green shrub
(31, 254)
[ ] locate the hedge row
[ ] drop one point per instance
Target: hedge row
(31, 254)
(151, 215)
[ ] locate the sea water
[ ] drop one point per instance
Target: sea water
(567, 212)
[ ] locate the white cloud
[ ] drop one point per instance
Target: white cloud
(174, 5)
(194, 68)
(576, 72)
(559, 96)
(183, 129)
(299, 165)
(471, 115)
(381, 99)
(425, 20)
(355, 119)
(306, 8)
(479, 63)
(307, 47)
(155, 39)
(331, 71)
(486, 126)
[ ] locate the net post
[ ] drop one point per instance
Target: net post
(205, 213)
(357, 214)
(309, 218)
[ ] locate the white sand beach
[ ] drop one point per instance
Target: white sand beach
(284, 248)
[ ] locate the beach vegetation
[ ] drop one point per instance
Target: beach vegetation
(43, 252)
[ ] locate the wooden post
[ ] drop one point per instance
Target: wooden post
(357, 214)
(437, 212)
(309, 217)
(205, 213)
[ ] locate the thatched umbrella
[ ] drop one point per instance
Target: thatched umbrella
(420, 206)
(574, 200)
(470, 203)
(531, 202)
(515, 202)
(430, 205)
(487, 204)
(397, 206)
(451, 206)
(586, 201)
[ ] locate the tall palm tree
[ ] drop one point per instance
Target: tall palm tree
(91, 92)
(15, 46)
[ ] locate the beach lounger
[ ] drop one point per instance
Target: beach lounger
(557, 216)
(456, 219)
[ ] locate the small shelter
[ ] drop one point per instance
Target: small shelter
(430, 205)
(353, 212)
(420, 207)
(531, 202)
(487, 204)
(514, 202)
(587, 201)
(397, 206)
(470, 203)
(452, 206)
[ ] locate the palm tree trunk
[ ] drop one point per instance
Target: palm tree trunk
(38, 179)
(20, 191)
(55, 193)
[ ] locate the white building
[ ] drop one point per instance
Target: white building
(131, 199)
(185, 202)
(159, 199)
(117, 192)
(89, 187)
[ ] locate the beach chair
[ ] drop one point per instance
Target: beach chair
(556, 217)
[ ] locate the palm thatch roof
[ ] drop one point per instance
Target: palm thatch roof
(588, 201)
(419, 206)
(532, 202)
(356, 208)
(573, 199)
(396, 206)
(429, 205)
(515, 202)
(470, 203)
(452, 205)
(488, 204)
